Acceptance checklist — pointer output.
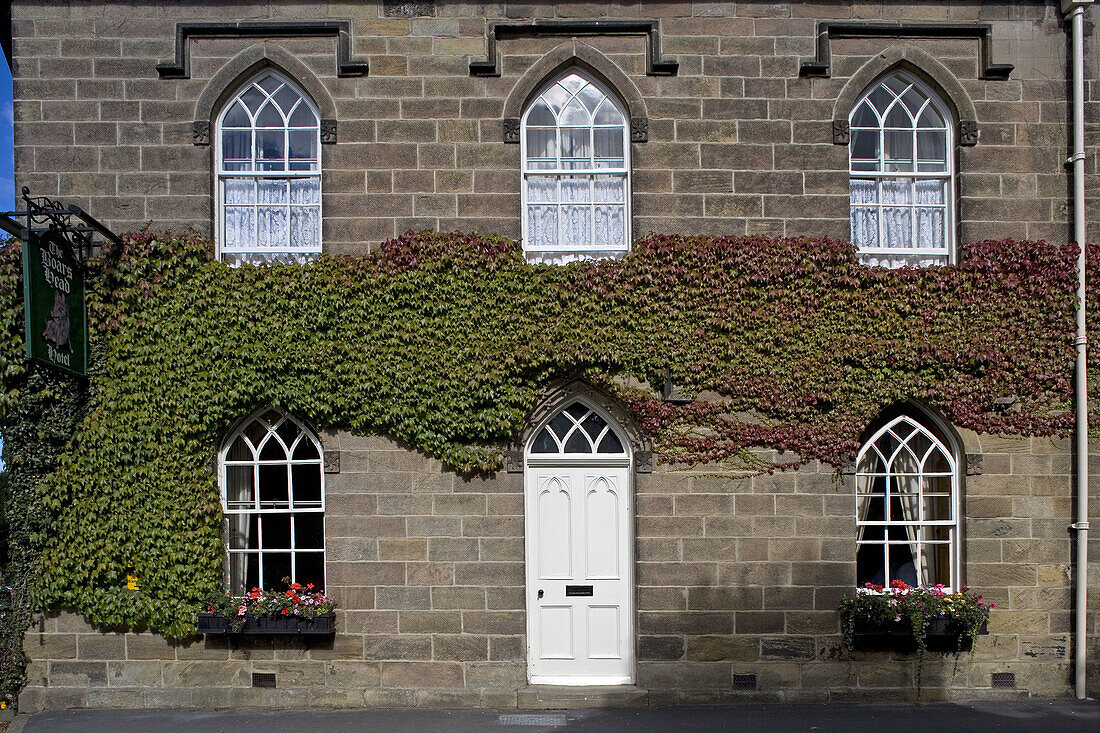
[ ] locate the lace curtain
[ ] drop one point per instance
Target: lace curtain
(900, 174)
(269, 174)
(576, 173)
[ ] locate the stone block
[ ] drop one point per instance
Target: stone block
(507, 648)
(397, 647)
(134, 674)
(352, 674)
(422, 674)
(49, 646)
(78, 674)
(716, 648)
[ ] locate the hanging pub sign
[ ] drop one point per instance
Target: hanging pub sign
(53, 294)
(55, 239)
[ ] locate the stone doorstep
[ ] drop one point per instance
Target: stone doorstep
(563, 697)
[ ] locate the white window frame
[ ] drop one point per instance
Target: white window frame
(257, 509)
(259, 253)
(563, 253)
(947, 253)
(904, 427)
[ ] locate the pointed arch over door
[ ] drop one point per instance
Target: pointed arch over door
(578, 506)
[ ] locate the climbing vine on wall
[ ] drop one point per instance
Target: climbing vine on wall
(444, 341)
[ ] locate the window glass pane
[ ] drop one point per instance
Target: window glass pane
(897, 191)
(303, 144)
(244, 531)
(608, 114)
(590, 97)
(864, 116)
(303, 116)
(273, 487)
(930, 228)
(305, 227)
(236, 117)
(575, 143)
(578, 442)
(594, 425)
(270, 117)
(269, 145)
(544, 442)
(573, 83)
(871, 507)
(608, 142)
(864, 145)
(272, 450)
(252, 99)
(937, 508)
(576, 225)
(239, 488)
(310, 568)
(542, 225)
(577, 410)
(556, 97)
(275, 530)
(575, 190)
(309, 531)
(610, 225)
(240, 191)
(305, 190)
(244, 572)
(897, 227)
(931, 146)
(240, 226)
(276, 568)
(542, 188)
(271, 190)
(307, 485)
(286, 98)
(899, 150)
(269, 83)
(237, 145)
(541, 142)
(930, 118)
(540, 114)
(609, 189)
(272, 225)
(240, 450)
(610, 444)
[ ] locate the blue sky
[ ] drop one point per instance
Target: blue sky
(7, 159)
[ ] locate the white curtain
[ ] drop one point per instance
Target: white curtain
(864, 213)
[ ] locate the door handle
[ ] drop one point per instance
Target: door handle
(540, 593)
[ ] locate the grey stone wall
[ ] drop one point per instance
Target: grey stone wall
(736, 573)
(738, 141)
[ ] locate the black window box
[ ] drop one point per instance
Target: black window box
(941, 636)
(216, 623)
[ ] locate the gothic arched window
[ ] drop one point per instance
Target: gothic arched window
(273, 497)
(907, 506)
(901, 159)
(269, 173)
(576, 172)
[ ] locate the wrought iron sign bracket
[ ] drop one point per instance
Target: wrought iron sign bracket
(45, 218)
(655, 64)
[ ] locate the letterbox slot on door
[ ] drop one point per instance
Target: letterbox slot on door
(578, 590)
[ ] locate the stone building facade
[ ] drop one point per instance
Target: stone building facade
(739, 117)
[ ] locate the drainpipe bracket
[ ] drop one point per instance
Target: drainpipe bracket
(1068, 6)
(1080, 526)
(1076, 157)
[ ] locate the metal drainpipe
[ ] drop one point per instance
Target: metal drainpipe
(1074, 11)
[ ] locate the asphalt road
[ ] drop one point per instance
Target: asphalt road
(1044, 717)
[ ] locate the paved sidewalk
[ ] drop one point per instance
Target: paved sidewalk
(1040, 717)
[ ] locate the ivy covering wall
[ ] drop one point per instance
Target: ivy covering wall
(444, 341)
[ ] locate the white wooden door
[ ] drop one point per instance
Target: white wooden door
(579, 575)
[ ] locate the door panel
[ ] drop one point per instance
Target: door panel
(580, 537)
